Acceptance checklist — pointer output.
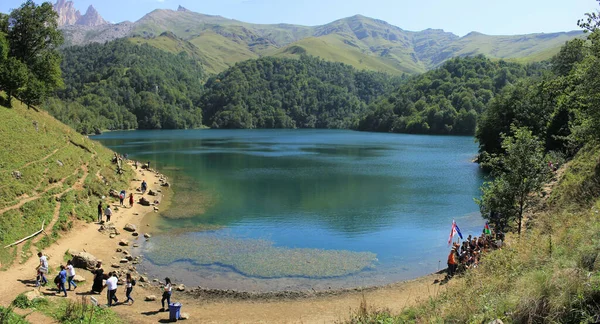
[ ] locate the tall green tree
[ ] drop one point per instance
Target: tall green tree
(591, 22)
(32, 36)
(518, 174)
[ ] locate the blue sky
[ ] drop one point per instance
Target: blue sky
(494, 17)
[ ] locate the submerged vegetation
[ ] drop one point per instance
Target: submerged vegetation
(256, 258)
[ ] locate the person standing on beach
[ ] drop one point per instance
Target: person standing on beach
(71, 275)
(62, 280)
(98, 277)
(108, 213)
(99, 212)
(42, 269)
(131, 200)
(129, 283)
(167, 291)
(144, 186)
(111, 292)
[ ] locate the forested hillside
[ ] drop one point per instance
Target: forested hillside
(120, 85)
(288, 93)
(447, 100)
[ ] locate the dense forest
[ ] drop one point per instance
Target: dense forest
(289, 93)
(119, 85)
(447, 100)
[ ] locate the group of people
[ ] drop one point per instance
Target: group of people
(101, 281)
(64, 276)
(467, 255)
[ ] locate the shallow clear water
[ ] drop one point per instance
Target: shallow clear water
(303, 192)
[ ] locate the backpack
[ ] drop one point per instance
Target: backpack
(57, 280)
(133, 282)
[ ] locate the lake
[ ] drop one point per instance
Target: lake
(304, 209)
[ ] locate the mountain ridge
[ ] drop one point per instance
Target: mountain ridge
(361, 41)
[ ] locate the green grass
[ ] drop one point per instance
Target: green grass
(68, 311)
(7, 316)
(35, 153)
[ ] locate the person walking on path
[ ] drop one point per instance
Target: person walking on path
(108, 213)
(42, 270)
(111, 292)
(131, 200)
(62, 280)
(99, 212)
(129, 283)
(122, 197)
(144, 186)
(166, 295)
(71, 275)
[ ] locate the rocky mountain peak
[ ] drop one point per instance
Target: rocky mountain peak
(68, 15)
(91, 18)
(180, 8)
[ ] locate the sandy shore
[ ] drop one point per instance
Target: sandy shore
(321, 308)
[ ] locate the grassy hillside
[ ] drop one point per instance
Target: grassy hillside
(63, 174)
(551, 274)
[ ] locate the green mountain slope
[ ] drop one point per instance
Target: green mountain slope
(360, 41)
(49, 174)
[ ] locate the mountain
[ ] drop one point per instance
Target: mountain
(68, 15)
(360, 41)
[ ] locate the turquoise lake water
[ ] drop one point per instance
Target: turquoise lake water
(301, 209)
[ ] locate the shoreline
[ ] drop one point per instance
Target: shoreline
(204, 305)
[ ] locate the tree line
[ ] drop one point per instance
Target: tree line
(120, 85)
(291, 93)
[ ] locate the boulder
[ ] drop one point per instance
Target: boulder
(124, 260)
(113, 193)
(184, 316)
(181, 287)
(135, 245)
(130, 227)
(119, 250)
(135, 234)
(78, 278)
(129, 258)
(144, 202)
(124, 242)
(33, 294)
(166, 184)
(116, 266)
(84, 260)
(143, 279)
(17, 174)
(112, 235)
(152, 193)
(146, 235)
(150, 298)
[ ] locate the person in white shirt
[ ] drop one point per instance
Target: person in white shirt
(42, 269)
(108, 213)
(71, 275)
(111, 291)
(130, 282)
(166, 294)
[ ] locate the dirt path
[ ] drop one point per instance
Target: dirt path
(20, 278)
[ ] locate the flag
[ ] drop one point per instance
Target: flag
(454, 230)
(458, 230)
(486, 229)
